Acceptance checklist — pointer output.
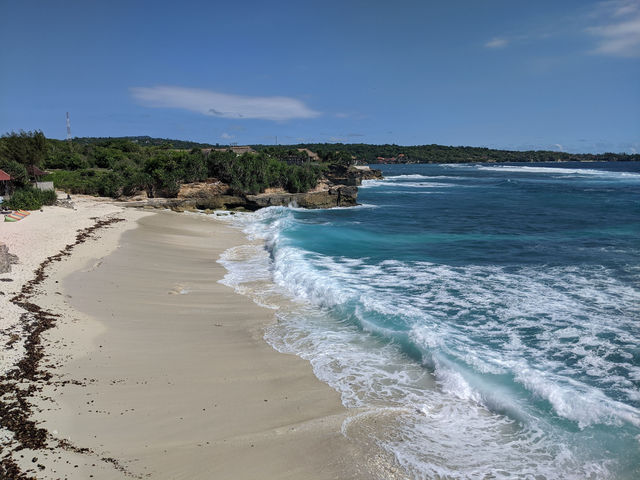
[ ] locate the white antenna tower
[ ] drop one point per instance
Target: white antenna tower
(68, 128)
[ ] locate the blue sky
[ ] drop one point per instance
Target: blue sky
(562, 75)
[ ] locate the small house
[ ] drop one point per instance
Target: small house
(5, 183)
(36, 174)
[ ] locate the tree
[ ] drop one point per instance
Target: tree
(16, 170)
(27, 148)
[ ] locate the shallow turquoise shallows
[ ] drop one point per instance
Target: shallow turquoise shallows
(486, 318)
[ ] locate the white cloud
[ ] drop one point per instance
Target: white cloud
(622, 7)
(497, 42)
(223, 105)
(226, 136)
(619, 31)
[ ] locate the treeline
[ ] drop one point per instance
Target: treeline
(346, 153)
(144, 141)
(122, 167)
(19, 153)
(330, 154)
(371, 154)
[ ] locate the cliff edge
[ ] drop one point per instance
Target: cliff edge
(338, 188)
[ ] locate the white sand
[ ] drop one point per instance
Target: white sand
(169, 385)
(39, 236)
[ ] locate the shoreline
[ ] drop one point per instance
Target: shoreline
(206, 398)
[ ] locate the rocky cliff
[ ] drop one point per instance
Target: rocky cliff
(337, 189)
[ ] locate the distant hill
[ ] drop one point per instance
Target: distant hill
(372, 154)
(144, 141)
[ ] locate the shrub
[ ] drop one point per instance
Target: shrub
(30, 198)
(48, 197)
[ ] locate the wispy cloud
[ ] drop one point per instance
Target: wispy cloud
(497, 42)
(226, 136)
(224, 105)
(618, 31)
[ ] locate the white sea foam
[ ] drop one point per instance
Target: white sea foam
(560, 171)
(389, 182)
(472, 325)
(396, 178)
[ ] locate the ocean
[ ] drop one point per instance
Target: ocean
(480, 320)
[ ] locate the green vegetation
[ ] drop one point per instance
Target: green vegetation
(143, 141)
(30, 198)
(370, 154)
(124, 166)
(16, 170)
(253, 173)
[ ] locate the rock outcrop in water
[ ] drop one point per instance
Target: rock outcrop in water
(352, 176)
(334, 196)
(339, 188)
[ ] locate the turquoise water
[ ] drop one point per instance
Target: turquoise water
(486, 318)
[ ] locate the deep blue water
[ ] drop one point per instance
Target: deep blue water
(499, 305)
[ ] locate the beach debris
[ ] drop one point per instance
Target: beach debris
(66, 203)
(28, 377)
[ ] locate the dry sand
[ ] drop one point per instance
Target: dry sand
(162, 372)
(41, 235)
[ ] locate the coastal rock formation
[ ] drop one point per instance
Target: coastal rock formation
(6, 259)
(367, 173)
(203, 189)
(337, 189)
(352, 175)
(336, 196)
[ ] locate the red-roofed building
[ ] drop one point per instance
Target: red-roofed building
(5, 178)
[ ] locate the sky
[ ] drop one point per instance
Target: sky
(557, 75)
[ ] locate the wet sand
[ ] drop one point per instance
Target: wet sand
(164, 373)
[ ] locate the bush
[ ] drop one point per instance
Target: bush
(88, 182)
(30, 198)
(48, 197)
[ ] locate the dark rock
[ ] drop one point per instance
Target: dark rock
(352, 176)
(6, 259)
(337, 196)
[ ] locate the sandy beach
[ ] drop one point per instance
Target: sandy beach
(156, 370)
